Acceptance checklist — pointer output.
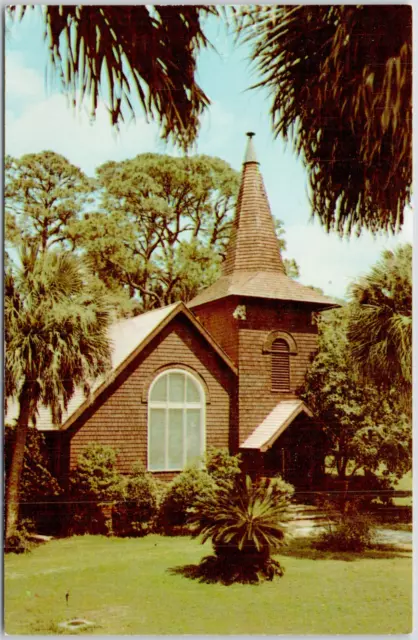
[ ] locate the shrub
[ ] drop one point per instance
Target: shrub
(244, 521)
(221, 466)
(37, 481)
(350, 532)
(180, 497)
(95, 485)
(20, 542)
(135, 514)
(38, 488)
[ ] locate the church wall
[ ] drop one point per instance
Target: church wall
(256, 399)
(217, 318)
(119, 418)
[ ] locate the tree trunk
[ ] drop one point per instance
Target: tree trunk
(15, 472)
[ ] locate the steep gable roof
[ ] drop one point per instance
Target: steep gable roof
(128, 338)
(253, 265)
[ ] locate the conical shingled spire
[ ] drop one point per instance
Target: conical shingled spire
(253, 245)
(253, 267)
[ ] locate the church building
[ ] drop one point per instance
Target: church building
(220, 371)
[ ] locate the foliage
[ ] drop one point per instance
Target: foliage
(222, 466)
(137, 53)
(135, 515)
(244, 521)
(180, 497)
(55, 339)
(162, 225)
(37, 482)
(43, 194)
(351, 532)
(19, 542)
(94, 485)
(364, 429)
(341, 85)
(380, 324)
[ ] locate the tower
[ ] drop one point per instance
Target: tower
(262, 318)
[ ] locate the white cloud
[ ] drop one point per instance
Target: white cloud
(21, 81)
(332, 263)
(51, 124)
(43, 122)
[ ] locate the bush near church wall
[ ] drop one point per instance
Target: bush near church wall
(95, 485)
(136, 512)
(106, 502)
(40, 492)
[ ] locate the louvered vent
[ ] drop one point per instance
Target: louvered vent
(280, 366)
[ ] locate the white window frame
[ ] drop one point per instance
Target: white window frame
(167, 405)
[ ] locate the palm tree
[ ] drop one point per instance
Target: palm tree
(244, 521)
(56, 339)
(118, 52)
(340, 79)
(380, 322)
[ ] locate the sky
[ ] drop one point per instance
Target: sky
(38, 117)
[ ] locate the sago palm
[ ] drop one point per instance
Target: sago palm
(380, 324)
(55, 339)
(245, 522)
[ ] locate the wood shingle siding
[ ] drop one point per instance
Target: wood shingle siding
(119, 418)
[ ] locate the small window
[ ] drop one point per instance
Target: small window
(280, 366)
(176, 427)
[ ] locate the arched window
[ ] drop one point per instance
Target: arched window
(280, 366)
(176, 421)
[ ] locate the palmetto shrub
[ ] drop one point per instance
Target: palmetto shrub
(245, 522)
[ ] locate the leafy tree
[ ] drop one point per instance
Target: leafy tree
(340, 77)
(163, 226)
(43, 194)
(365, 430)
(55, 339)
(244, 521)
(380, 323)
(121, 53)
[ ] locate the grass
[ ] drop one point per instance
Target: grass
(136, 586)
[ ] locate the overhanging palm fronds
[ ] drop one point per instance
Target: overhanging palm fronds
(340, 79)
(119, 52)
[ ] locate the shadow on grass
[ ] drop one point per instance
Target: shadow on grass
(305, 549)
(212, 570)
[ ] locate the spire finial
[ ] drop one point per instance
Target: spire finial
(250, 151)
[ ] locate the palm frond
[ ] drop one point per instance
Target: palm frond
(340, 81)
(117, 53)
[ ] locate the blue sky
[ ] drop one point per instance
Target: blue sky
(39, 118)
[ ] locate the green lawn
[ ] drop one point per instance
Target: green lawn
(127, 587)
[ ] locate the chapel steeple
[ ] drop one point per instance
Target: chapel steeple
(253, 266)
(253, 245)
